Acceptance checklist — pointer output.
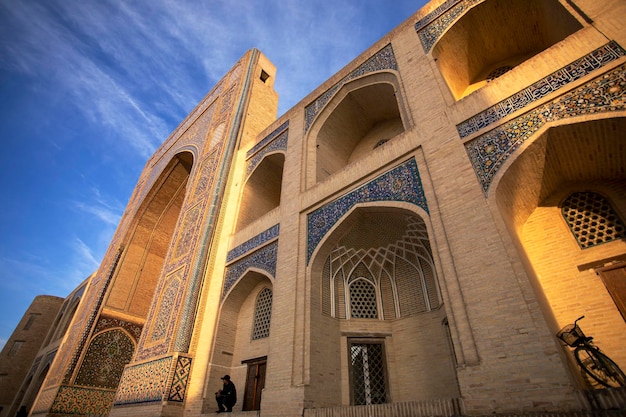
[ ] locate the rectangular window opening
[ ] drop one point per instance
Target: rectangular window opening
(264, 76)
(368, 381)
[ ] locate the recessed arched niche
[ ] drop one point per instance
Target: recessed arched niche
(261, 192)
(363, 115)
(495, 36)
(150, 236)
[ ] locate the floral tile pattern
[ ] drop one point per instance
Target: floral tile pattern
(253, 243)
(267, 139)
(402, 183)
(432, 27)
(383, 59)
(264, 259)
(566, 75)
(82, 401)
(490, 151)
(144, 382)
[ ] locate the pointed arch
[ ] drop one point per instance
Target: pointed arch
(108, 352)
(149, 240)
(235, 341)
(369, 288)
(361, 116)
(582, 157)
(262, 190)
(467, 55)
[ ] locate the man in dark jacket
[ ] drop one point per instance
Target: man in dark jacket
(227, 396)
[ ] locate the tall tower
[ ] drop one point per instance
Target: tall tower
(130, 343)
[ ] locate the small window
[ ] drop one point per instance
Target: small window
(381, 142)
(592, 219)
(16, 347)
(363, 300)
(31, 320)
(262, 314)
(264, 76)
(498, 72)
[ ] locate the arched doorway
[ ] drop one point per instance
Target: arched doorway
(375, 300)
(563, 201)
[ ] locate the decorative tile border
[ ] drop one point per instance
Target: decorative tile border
(255, 242)
(144, 382)
(264, 259)
(558, 79)
(383, 59)
(279, 144)
(267, 139)
(401, 183)
(435, 14)
(82, 401)
(181, 377)
(490, 151)
(429, 31)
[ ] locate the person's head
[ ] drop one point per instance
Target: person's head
(226, 379)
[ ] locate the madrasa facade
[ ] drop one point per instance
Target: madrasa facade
(407, 240)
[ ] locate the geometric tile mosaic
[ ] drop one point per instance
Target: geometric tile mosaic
(263, 259)
(434, 14)
(568, 74)
(267, 139)
(256, 241)
(278, 144)
(489, 152)
(383, 59)
(181, 377)
(105, 359)
(401, 183)
(144, 382)
(432, 26)
(82, 401)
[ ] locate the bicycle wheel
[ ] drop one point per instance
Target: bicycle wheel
(600, 367)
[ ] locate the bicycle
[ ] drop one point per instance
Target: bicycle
(590, 358)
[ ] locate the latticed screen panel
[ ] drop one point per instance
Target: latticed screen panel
(368, 373)
(363, 300)
(262, 314)
(591, 219)
(498, 72)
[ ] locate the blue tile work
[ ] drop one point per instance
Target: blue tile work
(568, 74)
(383, 59)
(173, 327)
(82, 401)
(167, 306)
(263, 259)
(267, 139)
(401, 183)
(490, 151)
(181, 377)
(431, 31)
(82, 326)
(144, 382)
(279, 144)
(255, 242)
(105, 359)
(435, 14)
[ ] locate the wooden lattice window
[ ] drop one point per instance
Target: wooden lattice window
(262, 314)
(592, 219)
(363, 300)
(498, 72)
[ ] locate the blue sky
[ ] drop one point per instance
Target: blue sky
(90, 88)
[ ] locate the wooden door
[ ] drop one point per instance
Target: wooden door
(255, 382)
(614, 279)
